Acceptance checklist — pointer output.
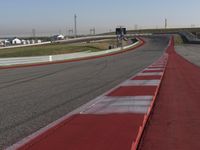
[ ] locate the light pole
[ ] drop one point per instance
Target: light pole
(70, 32)
(33, 33)
(92, 31)
(165, 23)
(75, 25)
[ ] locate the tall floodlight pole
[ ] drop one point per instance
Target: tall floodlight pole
(66, 32)
(90, 31)
(165, 23)
(75, 25)
(94, 30)
(33, 33)
(70, 32)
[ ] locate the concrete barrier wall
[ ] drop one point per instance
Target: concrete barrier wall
(51, 58)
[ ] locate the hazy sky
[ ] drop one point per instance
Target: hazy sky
(19, 17)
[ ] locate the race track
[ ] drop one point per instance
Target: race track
(174, 123)
(33, 97)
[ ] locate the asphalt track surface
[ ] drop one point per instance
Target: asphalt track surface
(175, 122)
(190, 52)
(33, 97)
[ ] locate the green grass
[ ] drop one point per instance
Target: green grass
(178, 40)
(53, 49)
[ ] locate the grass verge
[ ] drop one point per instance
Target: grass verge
(178, 40)
(54, 49)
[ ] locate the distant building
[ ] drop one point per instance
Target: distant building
(58, 37)
(39, 41)
(24, 42)
(5, 42)
(32, 41)
(28, 42)
(1, 43)
(15, 41)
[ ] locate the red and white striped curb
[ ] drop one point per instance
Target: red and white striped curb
(154, 71)
(136, 96)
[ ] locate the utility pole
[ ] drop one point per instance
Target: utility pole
(66, 32)
(70, 32)
(165, 23)
(33, 33)
(75, 25)
(136, 28)
(92, 31)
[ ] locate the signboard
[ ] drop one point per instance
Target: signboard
(120, 31)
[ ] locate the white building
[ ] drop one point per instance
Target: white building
(1, 43)
(4, 42)
(58, 37)
(24, 42)
(28, 42)
(15, 41)
(32, 41)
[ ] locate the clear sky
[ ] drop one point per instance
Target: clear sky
(19, 17)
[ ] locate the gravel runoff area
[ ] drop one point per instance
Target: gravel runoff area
(33, 97)
(190, 52)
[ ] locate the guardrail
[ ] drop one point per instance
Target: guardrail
(189, 38)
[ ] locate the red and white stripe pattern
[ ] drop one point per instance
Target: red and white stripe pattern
(136, 95)
(131, 100)
(132, 96)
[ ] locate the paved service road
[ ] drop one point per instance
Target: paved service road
(31, 98)
(190, 52)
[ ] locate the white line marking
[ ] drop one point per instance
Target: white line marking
(150, 73)
(141, 83)
(106, 109)
(124, 98)
(50, 58)
(126, 104)
(157, 66)
(154, 69)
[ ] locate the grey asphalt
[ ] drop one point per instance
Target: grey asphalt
(191, 52)
(33, 97)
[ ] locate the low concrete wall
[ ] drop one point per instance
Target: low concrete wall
(51, 58)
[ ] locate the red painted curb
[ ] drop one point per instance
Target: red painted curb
(73, 135)
(133, 91)
(146, 118)
(175, 118)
